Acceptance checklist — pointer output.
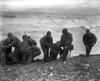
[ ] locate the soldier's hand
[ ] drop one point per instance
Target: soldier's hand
(9, 45)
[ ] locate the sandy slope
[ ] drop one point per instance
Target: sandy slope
(78, 68)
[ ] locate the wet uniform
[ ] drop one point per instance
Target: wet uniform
(55, 50)
(66, 42)
(46, 43)
(15, 55)
(5, 49)
(89, 40)
(33, 52)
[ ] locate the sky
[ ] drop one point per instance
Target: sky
(25, 4)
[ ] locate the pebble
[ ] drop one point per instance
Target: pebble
(51, 74)
(92, 80)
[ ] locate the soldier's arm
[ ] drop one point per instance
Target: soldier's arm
(69, 41)
(51, 40)
(94, 40)
(13, 42)
(84, 39)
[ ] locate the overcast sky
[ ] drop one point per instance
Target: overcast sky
(24, 4)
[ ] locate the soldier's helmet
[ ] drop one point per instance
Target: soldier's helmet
(24, 36)
(65, 30)
(10, 34)
(48, 33)
(87, 30)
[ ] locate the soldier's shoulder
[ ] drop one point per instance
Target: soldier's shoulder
(70, 34)
(92, 34)
(14, 37)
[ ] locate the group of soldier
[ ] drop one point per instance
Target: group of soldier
(27, 50)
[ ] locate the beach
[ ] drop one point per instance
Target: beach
(36, 25)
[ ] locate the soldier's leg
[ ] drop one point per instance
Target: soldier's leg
(14, 56)
(3, 60)
(61, 53)
(48, 52)
(45, 52)
(30, 57)
(35, 54)
(7, 52)
(56, 54)
(90, 47)
(24, 56)
(87, 50)
(51, 55)
(46, 55)
(65, 53)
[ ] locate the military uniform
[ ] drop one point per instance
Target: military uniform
(33, 51)
(65, 42)
(23, 49)
(15, 42)
(5, 49)
(89, 40)
(55, 50)
(46, 42)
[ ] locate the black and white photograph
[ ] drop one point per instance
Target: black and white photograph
(49, 40)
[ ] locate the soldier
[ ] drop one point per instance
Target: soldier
(89, 40)
(15, 42)
(65, 43)
(26, 43)
(46, 43)
(23, 48)
(5, 49)
(33, 51)
(55, 50)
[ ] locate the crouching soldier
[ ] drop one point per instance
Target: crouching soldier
(5, 49)
(65, 43)
(89, 40)
(33, 51)
(2, 58)
(55, 50)
(46, 43)
(15, 42)
(23, 48)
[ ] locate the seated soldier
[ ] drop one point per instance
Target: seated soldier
(2, 58)
(65, 43)
(55, 50)
(33, 51)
